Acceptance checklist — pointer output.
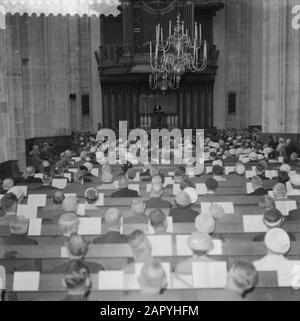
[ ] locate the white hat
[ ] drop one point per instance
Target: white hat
(200, 241)
(295, 180)
(277, 240)
(17, 190)
(88, 165)
(240, 169)
(285, 168)
(217, 162)
(192, 192)
(233, 151)
(205, 223)
(253, 156)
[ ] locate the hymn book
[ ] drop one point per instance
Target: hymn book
(286, 206)
(161, 245)
(169, 228)
(60, 183)
(209, 275)
(89, 226)
(110, 280)
(35, 227)
(28, 211)
(254, 223)
(26, 281)
(38, 200)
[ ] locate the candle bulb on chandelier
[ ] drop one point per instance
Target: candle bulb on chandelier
(170, 28)
(162, 36)
(205, 50)
(196, 31)
(200, 33)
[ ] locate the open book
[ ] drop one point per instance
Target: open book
(209, 275)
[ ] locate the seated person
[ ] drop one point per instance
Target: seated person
(68, 224)
(183, 211)
(152, 281)
(205, 223)
(278, 244)
(83, 155)
(217, 212)
(285, 168)
(91, 197)
(230, 156)
(131, 174)
(77, 248)
(158, 221)
(257, 186)
(113, 222)
(106, 174)
(7, 184)
(156, 201)
(77, 282)
(138, 208)
(218, 172)
(266, 203)
(295, 182)
(2, 283)
(124, 191)
(200, 243)
(293, 161)
(29, 177)
(241, 278)
(18, 227)
(68, 205)
(211, 186)
(239, 171)
(89, 167)
(141, 249)
(58, 198)
(260, 171)
(9, 204)
(272, 219)
(283, 177)
(47, 181)
(83, 174)
(279, 191)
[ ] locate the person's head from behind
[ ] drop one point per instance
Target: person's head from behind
(83, 155)
(211, 185)
(283, 177)
(212, 156)
(123, 182)
(9, 203)
(29, 171)
(58, 197)
(153, 278)
(7, 184)
(240, 169)
(242, 277)
(158, 221)
(217, 170)
(113, 219)
(157, 179)
(68, 223)
(273, 218)
(279, 191)
(277, 241)
(200, 243)
(138, 206)
(19, 225)
(141, 246)
(266, 202)
(131, 173)
(156, 190)
(47, 179)
(260, 169)
(91, 195)
(77, 279)
(59, 171)
(70, 204)
(256, 183)
(183, 199)
(216, 211)
(293, 157)
(205, 223)
(77, 246)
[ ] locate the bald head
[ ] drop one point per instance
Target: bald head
(158, 221)
(29, 171)
(140, 246)
(7, 184)
(58, 197)
(77, 246)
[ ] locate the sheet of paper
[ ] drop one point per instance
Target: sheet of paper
(76, 159)
(171, 174)
(39, 175)
(100, 201)
(26, 281)
(68, 176)
(286, 206)
(271, 174)
(29, 211)
(38, 200)
(176, 189)
(161, 245)
(72, 170)
(169, 228)
(245, 160)
(35, 227)
(182, 248)
(60, 183)
(201, 189)
(89, 226)
(111, 280)
(165, 162)
(229, 169)
(253, 224)
(134, 187)
(70, 195)
(208, 169)
(288, 274)
(95, 172)
(137, 177)
(24, 190)
(209, 274)
(81, 209)
(64, 252)
(249, 174)
(249, 188)
(168, 181)
(148, 188)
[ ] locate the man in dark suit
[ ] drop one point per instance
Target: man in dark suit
(183, 211)
(124, 191)
(257, 186)
(294, 215)
(77, 248)
(155, 200)
(47, 187)
(113, 222)
(158, 221)
(9, 205)
(18, 229)
(29, 177)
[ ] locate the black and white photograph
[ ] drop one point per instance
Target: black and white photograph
(149, 154)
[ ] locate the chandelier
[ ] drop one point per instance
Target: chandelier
(175, 56)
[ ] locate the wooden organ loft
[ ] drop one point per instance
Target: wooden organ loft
(123, 63)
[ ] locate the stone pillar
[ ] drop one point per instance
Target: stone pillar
(281, 68)
(127, 18)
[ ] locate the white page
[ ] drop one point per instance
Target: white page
(182, 281)
(227, 206)
(68, 176)
(292, 173)
(254, 223)
(209, 274)
(60, 183)
(70, 195)
(280, 159)
(208, 169)
(81, 209)
(176, 189)
(100, 201)
(165, 162)
(29, 211)
(169, 228)
(148, 188)
(206, 156)
(89, 226)
(271, 174)
(35, 227)
(26, 281)
(38, 200)
(40, 176)
(76, 159)
(288, 274)
(24, 190)
(249, 188)
(217, 249)
(161, 245)
(286, 206)
(64, 252)
(182, 248)
(95, 172)
(168, 181)
(137, 177)
(249, 174)
(72, 170)
(229, 169)
(134, 187)
(171, 174)
(201, 189)
(111, 280)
